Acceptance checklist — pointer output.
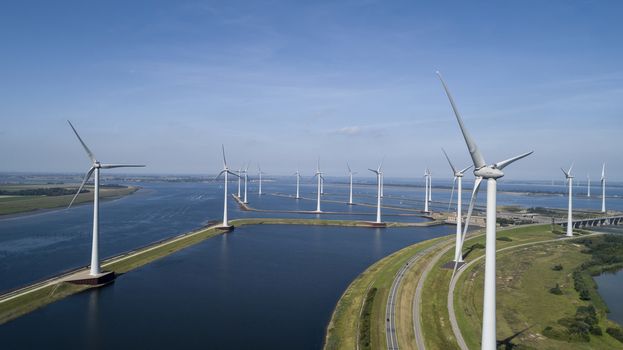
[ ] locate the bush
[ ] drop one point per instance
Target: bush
(477, 246)
(364, 335)
(556, 290)
(557, 267)
(504, 239)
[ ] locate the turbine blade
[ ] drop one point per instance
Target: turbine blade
(501, 165)
(348, 166)
(232, 173)
(374, 171)
(86, 178)
(603, 172)
(571, 167)
(449, 162)
(477, 157)
(219, 174)
(224, 159)
(452, 194)
(110, 166)
(565, 172)
(472, 201)
(466, 169)
(381, 164)
(89, 153)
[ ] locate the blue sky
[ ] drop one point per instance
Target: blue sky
(282, 83)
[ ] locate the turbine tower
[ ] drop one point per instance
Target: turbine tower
(491, 173)
(426, 190)
(246, 178)
(458, 175)
(319, 175)
(603, 188)
(570, 209)
(430, 185)
(588, 185)
(379, 176)
(225, 171)
(382, 184)
(239, 178)
(298, 182)
(95, 168)
(350, 188)
(259, 172)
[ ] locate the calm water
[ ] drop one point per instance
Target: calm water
(610, 287)
(262, 287)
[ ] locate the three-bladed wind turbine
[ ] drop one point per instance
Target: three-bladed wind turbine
(246, 178)
(569, 179)
(260, 172)
(426, 197)
(458, 175)
(298, 182)
(603, 188)
(319, 176)
(588, 185)
(379, 176)
(95, 168)
(491, 173)
(350, 187)
(225, 171)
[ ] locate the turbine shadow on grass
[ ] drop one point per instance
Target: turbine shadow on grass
(507, 344)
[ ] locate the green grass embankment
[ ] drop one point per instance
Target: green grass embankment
(344, 329)
(22, 204)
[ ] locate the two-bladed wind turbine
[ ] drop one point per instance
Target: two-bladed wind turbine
(298, 183)
(491, 173)
(318, 174)
(95, 168)
(569, 179)
(458, 175)
(225, 171)
(246, 178)
(379, 176)
(603, 188)
(350, 187)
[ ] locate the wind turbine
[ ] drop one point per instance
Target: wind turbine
(95, 168)
(259, 171)
(588, 185)
(225, 171)
(570, 209)
(426, 198)
(458, 175)
(379, 176)
(350, 188)
(491, 173)
(319, 175)
(603, 188)
(246, 178)
(239, 178)
(298, 181)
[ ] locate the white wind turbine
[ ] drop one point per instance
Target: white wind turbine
(259, 172)
(350, 188)
(379, 176)
(95, 168)
(588, 185)
(319, 176)
(426, 197)
(246, 178)
(491, 173)
(569, 179)
(458, 175)
(225, 171)
(298, 182)
(603, 188)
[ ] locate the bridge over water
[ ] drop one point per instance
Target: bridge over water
(593, 222)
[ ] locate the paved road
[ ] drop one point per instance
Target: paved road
(455, 326)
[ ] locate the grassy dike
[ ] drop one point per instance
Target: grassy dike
(358, 321)
(44, 293)
(525, 305)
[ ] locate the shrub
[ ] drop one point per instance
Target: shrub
(557, 267)
(556, 290)
(505, 239)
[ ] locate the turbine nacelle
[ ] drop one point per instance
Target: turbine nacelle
(489, 172)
